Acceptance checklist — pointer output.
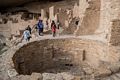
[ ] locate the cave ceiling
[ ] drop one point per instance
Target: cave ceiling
(12, 3)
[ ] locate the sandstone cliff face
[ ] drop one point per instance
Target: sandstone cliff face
(6, 3)
(13, 3)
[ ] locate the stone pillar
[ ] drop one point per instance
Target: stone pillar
(105, 18)
(83, 4)
(56, 18)
(66, 23)
(42, 14)
(51, 12)
(75, 10)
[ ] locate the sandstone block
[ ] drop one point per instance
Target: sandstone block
(102, 72)
(12, 73)
(36, 76)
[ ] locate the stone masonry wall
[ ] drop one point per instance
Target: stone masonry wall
(41, 55)
(115, 28)
(14, 24)
(89, 17)
(115, 33)
(109, 20)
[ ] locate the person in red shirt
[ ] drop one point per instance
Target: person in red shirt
(53, 28)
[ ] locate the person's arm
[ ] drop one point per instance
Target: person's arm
(30, 29)
(43, 25)
(55, 26)
(51, 26)
(38, 26)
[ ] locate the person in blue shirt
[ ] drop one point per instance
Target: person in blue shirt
(40, 27)
(26, 35)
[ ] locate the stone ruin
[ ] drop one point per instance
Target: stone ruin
(87, 48)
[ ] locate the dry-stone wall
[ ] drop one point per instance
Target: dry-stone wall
(47, 54)
(115, 33)
(90, 18)
(109, 20)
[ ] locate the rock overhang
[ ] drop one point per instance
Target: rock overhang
(13, 3)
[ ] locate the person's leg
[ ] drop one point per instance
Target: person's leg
(59, 32)
(39, 31)
(28, 38)
(54, 34)
(30, 32)
(42, 30)
(47, 27)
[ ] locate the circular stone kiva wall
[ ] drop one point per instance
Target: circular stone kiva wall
(57, 55)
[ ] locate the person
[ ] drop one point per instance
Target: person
(26, 35)
(53, 27)
(58, 24)
(40, 27)
(29, 28)
(58, 28)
